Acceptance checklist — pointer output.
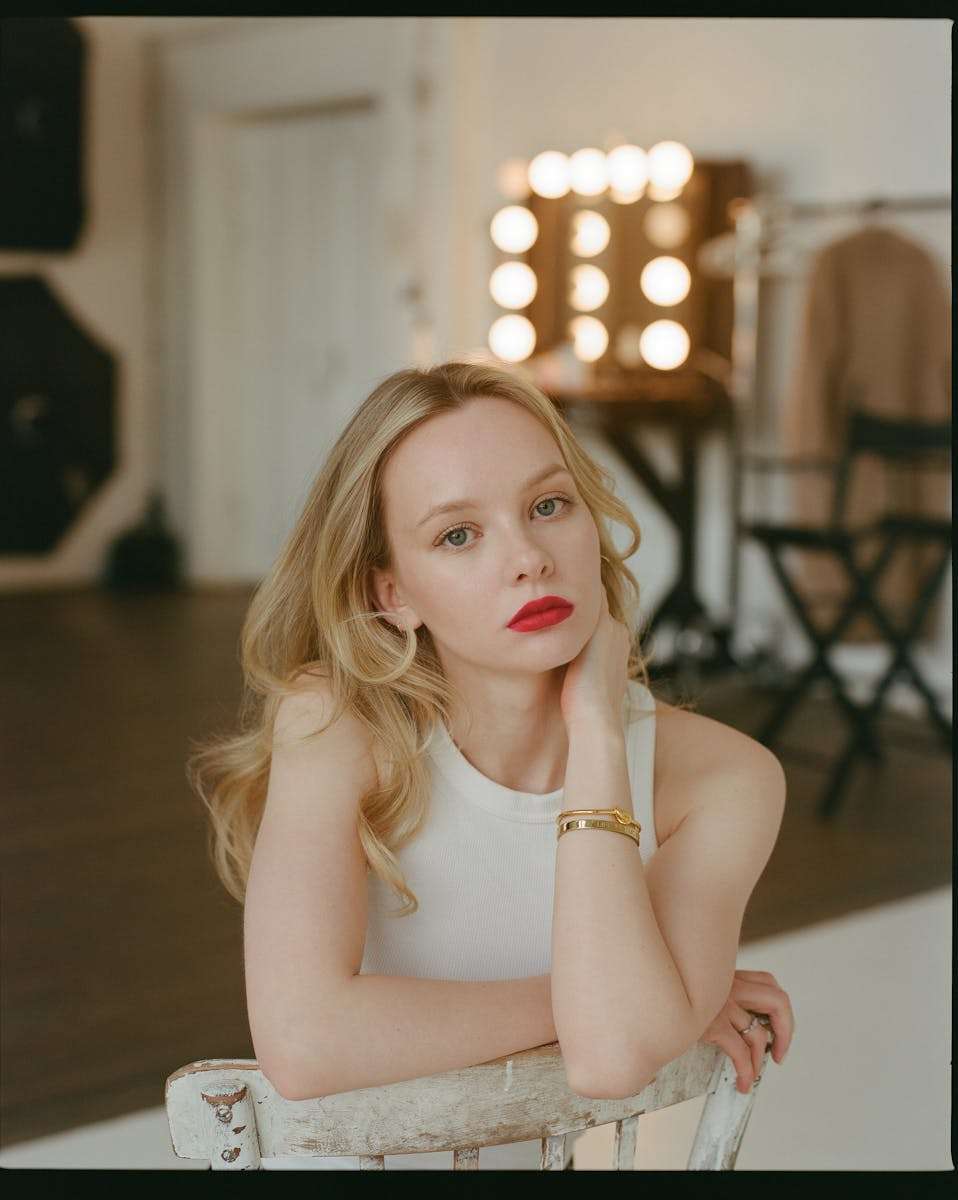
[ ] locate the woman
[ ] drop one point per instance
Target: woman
(404, 726)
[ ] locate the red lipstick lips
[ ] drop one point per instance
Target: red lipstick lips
(537, 614)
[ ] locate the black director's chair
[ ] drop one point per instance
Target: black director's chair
(917, 445)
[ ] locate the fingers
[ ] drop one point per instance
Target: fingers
(755, 1041)
(768, 998)
(759, 1040)
(739, 1050)
(759, 977)
(735, 1046)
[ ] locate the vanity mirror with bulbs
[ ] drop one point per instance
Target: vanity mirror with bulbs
(597, 249)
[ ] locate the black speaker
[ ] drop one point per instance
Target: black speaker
(41, 133)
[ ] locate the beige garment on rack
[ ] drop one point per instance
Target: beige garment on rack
(876, 332)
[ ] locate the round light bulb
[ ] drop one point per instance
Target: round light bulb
(667, 225)
(514, 229)
(628, 169)
(590, 233)
(512, 338)
(670, 165)
(549, 174)
(665, 280)
(589, 288)
(588, 172)
(665, 345)
(513, 285)
(625, 197)
(590, 338)
(512, 178)
(628, 346)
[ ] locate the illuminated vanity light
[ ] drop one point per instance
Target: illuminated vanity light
(512, 337)
(588, 172)
(665, 280)
(590, 338)
(628, 169)
(589, 288)
(590, 233)
(513, 285)
(670, 167)
(665, 345)
(550, 174)
(514, 229)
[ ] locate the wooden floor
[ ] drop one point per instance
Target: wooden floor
(122, 955)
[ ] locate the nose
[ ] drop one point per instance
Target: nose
(532, 562)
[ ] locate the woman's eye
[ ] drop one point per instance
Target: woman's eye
(465, 528)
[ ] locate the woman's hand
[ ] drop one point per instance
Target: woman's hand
(596, 679)
(758, 992)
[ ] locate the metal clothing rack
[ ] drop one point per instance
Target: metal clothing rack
(797, 210)
(758, 223)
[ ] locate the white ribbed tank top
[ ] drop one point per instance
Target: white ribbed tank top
(482, 867)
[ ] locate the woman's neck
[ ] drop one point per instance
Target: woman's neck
(523, 755)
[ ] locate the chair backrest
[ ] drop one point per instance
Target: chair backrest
(227, 1113)
(896, 441)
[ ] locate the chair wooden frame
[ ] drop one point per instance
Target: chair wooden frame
(226, 1112)
(894, 441)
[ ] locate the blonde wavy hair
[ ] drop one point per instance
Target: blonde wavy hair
(314, 612)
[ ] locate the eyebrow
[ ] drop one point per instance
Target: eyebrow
(456, 505)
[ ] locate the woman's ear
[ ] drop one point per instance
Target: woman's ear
(387, 599)
(379, 585)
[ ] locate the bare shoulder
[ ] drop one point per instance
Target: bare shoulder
(311, 708)
(696, 756)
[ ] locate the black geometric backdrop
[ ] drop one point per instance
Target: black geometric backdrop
(41, 133)
(57, 416)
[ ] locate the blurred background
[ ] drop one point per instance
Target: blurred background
(721, 245)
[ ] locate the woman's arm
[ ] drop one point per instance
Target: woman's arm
(384, 1028)
(643, 958)
(318, 1025)
(615, 987)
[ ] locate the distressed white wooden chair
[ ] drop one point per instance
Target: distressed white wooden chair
(226, 1112)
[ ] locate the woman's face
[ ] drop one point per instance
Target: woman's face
(464, 573)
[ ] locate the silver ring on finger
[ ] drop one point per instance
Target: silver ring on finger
(750, 1026)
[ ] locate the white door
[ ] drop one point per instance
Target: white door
(304, 314)
(290, 189)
